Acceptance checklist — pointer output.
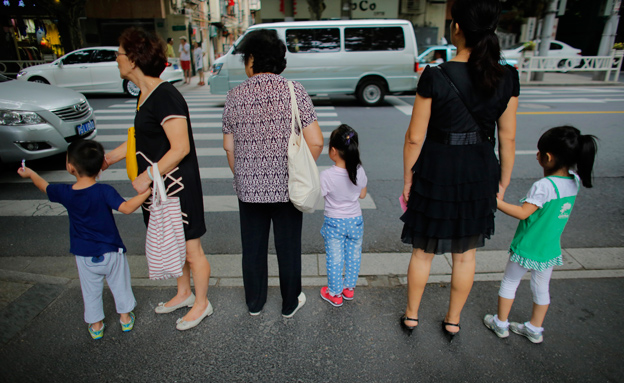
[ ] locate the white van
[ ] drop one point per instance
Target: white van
(368, 58)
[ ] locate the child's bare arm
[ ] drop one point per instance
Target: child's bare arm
(134, 203)
(39, 182)
(363, 193)
(520, 212)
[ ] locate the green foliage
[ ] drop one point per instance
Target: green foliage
(618, 46)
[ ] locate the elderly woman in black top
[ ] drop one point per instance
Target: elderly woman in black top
(256, 128)
(164, 135)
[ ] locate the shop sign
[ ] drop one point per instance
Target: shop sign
(374, 9)
(178, 28)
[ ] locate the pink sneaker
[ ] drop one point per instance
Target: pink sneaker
(348, 294)
(334, 301)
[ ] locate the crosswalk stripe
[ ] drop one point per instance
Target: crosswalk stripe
(196, 136)
(212, 204)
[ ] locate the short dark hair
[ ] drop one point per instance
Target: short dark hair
(146, 49)
(86, 156)
(169, 39)
(268, 51)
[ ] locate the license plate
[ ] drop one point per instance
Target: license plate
(175, 66)
(85, 128)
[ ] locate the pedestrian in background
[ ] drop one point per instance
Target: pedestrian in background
(170, 51)
(185, 59)
(342, 186)
(93, 236)
(452, 177)
(164, 135)
(545, 210)
(198, 56)
(256, 128)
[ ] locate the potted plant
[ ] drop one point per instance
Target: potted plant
(618, 49)
(529, 48)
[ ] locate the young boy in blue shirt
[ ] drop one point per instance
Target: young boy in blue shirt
(94, 238)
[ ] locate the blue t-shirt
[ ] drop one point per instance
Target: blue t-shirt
(92, 229)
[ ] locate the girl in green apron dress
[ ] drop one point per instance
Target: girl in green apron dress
(536, 246)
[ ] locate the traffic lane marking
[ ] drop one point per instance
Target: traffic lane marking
(212, 204)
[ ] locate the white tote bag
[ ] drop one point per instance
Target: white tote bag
(304, 185)
(165, 244)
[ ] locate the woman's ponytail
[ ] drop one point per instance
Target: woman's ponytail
(345, 140)
(478, 20)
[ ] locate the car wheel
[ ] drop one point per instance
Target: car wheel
(563, 66)
(371, 92)
(39, 80)
(131, 88)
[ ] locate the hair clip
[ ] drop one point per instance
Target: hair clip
(348, 138)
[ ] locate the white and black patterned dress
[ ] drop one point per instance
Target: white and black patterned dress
(164, 103)
(258, 114)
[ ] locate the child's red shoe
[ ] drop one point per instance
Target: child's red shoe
(335, 301)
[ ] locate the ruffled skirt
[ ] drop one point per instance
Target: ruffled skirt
(453, 198)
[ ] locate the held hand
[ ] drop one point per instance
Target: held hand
(501, 192)
(142, 183)
(25, 172)
(406, 191)
(105, 164)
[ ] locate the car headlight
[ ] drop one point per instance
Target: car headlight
(14, 117)
(21, 73)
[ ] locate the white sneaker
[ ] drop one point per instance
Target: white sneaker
(490, 323)
(302, 301)
(522, 329)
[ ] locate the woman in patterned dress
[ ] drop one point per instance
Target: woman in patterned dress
(164, 135)
(256, 128)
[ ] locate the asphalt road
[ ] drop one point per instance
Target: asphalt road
(359, 342)
(596, 221)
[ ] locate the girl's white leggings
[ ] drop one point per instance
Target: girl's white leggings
(540, 281)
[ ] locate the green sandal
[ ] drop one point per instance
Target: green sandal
(96, 334)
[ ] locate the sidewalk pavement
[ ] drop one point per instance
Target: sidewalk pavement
(570, 79)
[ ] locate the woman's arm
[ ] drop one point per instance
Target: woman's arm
(228, 146)
(507, 144)
(363, 193)
(520, 212)
(314, 138)
(115, 155)
(176, 130)
(414, 139)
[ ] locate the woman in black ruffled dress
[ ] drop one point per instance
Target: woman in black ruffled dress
(452, 178)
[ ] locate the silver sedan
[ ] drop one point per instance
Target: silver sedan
(38, 120)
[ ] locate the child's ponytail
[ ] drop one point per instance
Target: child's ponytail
(587, 153)
(345, 140)
(570, 148)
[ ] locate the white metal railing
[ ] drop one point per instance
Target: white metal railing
(13, 67)
(608, 64)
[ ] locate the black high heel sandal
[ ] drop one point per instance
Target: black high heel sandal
(449, 333)
(406, 328)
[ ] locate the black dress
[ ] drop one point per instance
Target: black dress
(456, 177)
(184, 181)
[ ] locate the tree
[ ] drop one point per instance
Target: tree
(67, 13)
(316, 8)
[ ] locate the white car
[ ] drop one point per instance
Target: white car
(557, 49)
(38, 121)
(92, 70)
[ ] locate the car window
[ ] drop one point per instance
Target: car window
(313, 40)
(102, 55)
(374, 39)
(555, 47)
(79, 57)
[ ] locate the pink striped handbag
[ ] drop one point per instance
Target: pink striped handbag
(165, 244)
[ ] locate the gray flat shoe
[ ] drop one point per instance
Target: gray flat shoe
(162, 309)
(184, 325)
